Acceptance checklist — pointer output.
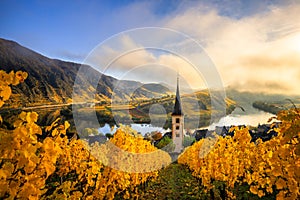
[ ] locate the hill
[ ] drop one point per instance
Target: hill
(51, 81)
(271, 103)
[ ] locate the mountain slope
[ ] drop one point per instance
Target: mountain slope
(51, 81)
(246, 100)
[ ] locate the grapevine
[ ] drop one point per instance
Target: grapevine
(56, 167)
(262, 165)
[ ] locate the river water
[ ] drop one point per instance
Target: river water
(251, 117)
(141, 128)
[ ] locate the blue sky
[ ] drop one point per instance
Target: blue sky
(70, 29)
(244, 38)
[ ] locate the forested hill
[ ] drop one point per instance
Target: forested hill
(51, 81)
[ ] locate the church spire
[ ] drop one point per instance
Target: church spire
(177, 108)
(177, 122)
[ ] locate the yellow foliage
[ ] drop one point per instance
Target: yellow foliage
(10, 79)
(5, 81)
(236, 160)
(128, 161)
(20, 160)
(70, 170)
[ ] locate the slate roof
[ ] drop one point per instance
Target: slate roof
(177, 108)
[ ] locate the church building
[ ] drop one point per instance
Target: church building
(177, 122)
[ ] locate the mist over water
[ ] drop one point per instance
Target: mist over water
(251, 117)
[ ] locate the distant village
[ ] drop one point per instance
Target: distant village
(265, 132)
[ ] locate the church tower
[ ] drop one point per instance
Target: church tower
(177, 122)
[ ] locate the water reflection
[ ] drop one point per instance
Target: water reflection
(252, 119)
(141, 128)
(236, 118)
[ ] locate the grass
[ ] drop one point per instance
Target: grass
(173, 182)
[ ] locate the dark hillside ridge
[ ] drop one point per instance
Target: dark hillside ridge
(51, 81)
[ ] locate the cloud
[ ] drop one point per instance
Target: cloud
(256, 50)
(262, 48)
(125, 58)
(121, 55)
(69, 55)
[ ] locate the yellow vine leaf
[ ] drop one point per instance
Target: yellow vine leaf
(31, 117)
(280, 184)
(5, 92)
(3, 174)
(53, 124)
(67, 125)
(23, 116)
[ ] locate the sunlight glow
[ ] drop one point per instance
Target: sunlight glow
(295, 42)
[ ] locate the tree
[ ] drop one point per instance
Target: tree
(188, 141)
(166, 144)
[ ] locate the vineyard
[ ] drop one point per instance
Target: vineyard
(44, 163)
(265, 167)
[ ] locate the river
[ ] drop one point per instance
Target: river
(141, 128)
(251, 117)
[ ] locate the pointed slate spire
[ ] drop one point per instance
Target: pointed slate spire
(177, 108)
